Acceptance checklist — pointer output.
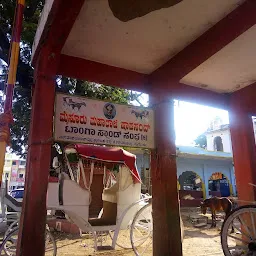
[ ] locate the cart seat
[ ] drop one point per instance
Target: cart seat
(109, 197)
(110, 194)
(108, 216)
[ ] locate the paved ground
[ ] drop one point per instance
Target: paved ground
(197, 242)
(203, 242)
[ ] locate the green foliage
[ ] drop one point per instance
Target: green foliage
(101, 92)
(201, 141)
(22, 95)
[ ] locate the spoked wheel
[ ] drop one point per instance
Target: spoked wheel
(50, 243)
(142, 231)
(243, 240)
(9, 244)
(123, 239)
(14, 225)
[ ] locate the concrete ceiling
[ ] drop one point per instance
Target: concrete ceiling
(230, 69)
(145, 43)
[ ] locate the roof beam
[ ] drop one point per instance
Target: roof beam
(176, 90)
(212, 41)
(108, 75)
(59, 23)
(103, 74)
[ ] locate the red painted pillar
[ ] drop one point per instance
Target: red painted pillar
(244, 152)
(166, 214)
(33, 218)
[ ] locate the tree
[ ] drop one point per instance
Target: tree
(201, 141)
(22, 94)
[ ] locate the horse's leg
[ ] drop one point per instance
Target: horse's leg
(213, 218)
(227, 212)
(232, 227)
(212, 211)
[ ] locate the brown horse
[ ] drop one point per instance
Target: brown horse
(217, 204)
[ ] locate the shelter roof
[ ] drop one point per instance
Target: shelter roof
(200, 50)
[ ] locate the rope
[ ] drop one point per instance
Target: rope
(153, 106)
(81, 167)
(104, 177)
(42, 142)
(69, 168)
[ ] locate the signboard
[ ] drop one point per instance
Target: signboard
(79, 119)
(216, 176)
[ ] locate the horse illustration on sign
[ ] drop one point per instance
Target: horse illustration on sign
(67, 101)
(140, 114)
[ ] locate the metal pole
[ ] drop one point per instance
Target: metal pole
(6, 117)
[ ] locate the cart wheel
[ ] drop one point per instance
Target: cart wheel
(8, 246)
(50, 243)
(11, 227)
(142, 231)
(243, 240)
(123, 239)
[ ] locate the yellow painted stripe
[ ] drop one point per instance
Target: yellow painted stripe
(13, 63)
(2, 157)
(21, 2)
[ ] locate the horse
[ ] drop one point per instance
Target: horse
(217, 204)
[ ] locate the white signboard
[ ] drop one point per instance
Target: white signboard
(79, 119)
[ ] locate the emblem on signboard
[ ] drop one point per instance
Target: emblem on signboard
(68, 101)
(109, 110)
(140, 114)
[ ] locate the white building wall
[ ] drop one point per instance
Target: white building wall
(226, 140)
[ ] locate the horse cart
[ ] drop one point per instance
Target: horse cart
(238, 232)
(126, 215)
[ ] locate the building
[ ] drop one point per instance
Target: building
(143, 166)
(202, 173)
(14, 171)
(218, 139)
(7, 167)
(218, 136)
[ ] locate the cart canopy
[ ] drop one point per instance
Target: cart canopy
(110, 155)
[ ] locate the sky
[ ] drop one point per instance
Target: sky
(191, 120)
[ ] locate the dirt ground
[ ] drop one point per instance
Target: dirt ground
(198, 241)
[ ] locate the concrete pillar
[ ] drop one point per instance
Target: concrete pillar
(33, 219)
(244, 153)
(166, 214)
